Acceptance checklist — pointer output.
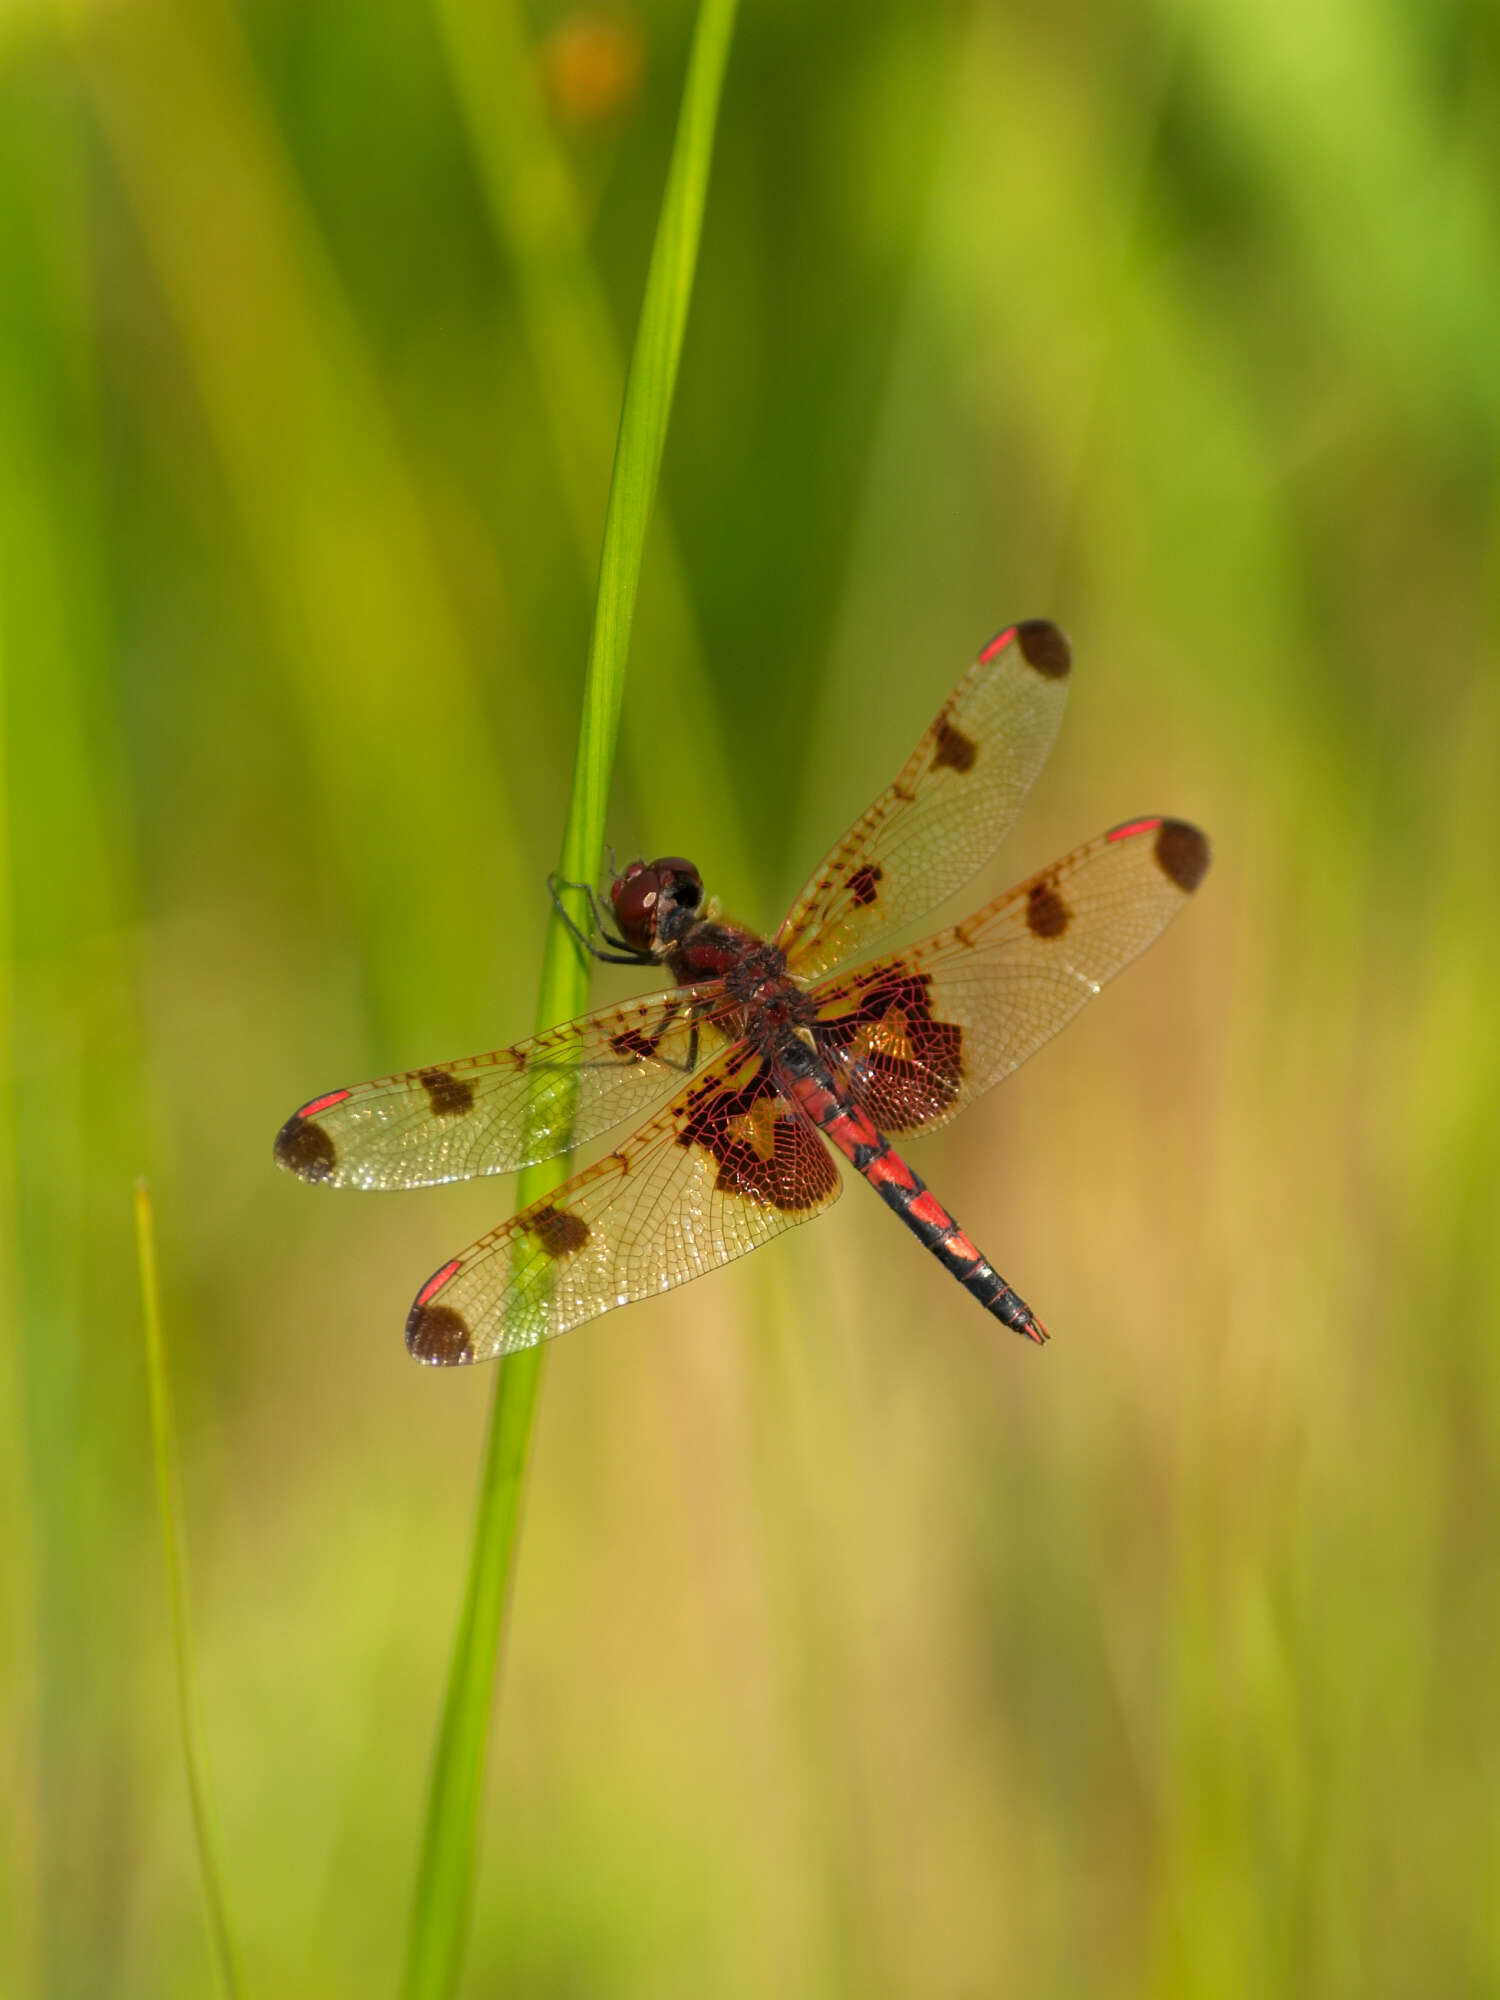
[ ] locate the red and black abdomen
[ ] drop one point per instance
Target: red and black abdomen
(809, 1083)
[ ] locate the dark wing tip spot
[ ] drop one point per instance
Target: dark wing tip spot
(305, 1149)
(438, 1336)
(1045, 647)
(1047, 915)
(1182, 853)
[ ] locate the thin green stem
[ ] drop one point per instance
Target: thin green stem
(164, 1452)
(445, 1877)
(539, 227)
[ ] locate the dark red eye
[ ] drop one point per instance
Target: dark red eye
(636, 896)
(649, 893)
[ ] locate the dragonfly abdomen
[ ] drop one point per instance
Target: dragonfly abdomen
(870, 1153)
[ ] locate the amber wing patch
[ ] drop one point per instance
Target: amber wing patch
(904, 1064)
(765, 1152)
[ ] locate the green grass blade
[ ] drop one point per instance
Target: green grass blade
(446, 1869)
(537, 216)
(162, 1434)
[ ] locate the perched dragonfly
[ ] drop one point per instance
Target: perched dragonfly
(769, 1047)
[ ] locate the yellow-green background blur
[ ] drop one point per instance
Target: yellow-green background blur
(856, 1649)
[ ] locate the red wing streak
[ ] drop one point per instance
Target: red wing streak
(918, 1036)
(953, 804)
(722, 1169)
(493, 1113)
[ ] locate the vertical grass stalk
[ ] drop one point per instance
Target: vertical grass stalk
(163, 1449)
(445, 1878)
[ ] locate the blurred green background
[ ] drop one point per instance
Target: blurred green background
(856, 1650)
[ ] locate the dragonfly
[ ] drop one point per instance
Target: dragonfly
(773, 1054)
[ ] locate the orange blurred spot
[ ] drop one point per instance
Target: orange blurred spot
(592, 65)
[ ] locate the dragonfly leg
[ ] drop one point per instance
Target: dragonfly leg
(621, 954)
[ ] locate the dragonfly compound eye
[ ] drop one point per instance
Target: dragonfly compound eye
(636, 896)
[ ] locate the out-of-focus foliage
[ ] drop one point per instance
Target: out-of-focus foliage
(855, 1650)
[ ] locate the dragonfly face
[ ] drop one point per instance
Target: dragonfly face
(773, 1054)
(655, 901)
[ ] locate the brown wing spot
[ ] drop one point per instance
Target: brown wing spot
(862, 884)
(953, 749)
(1047, 915)
(305, 1149)
(904, 1065)
(1045, 647)
(448, 1095)
(631, 1042)
(764, 1152)
(438, 1335)
(1182, 854)
(558, 1231)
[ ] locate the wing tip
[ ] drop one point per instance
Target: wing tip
(1183, 853)
(304, 1148)
(1045, 647)
(438, 1336)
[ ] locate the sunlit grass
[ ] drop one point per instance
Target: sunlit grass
(536, 208)
(445, 1881)
(169, 1508)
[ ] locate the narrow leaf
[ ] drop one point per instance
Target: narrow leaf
(164, 1451)
(445, 1878)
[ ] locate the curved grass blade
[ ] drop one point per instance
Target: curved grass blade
(537, 215)
(162, 1436)
(446, 1869)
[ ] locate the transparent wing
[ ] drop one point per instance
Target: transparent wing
(948, 811)
(725, 1167)
(918, 1036)
(490, 1114)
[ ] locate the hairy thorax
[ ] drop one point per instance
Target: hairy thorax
(766, 1002)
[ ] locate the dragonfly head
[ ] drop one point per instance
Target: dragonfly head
(655, 901)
